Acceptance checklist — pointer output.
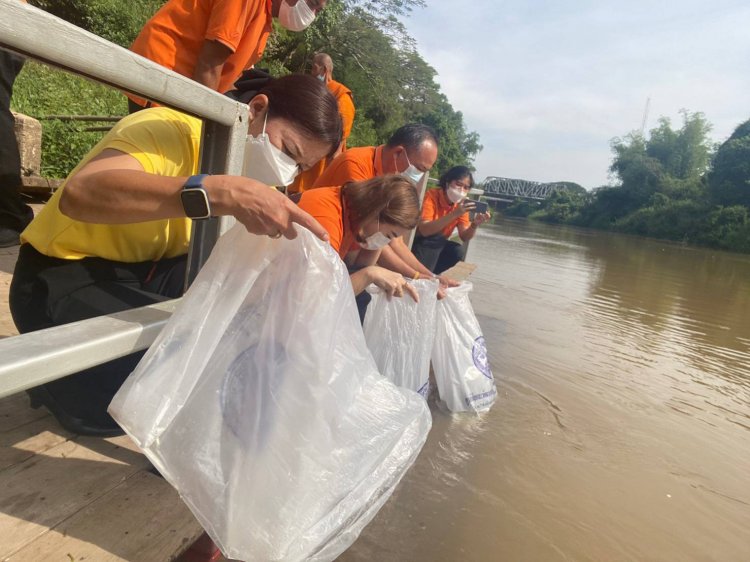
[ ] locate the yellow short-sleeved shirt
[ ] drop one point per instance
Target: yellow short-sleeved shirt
(166, 143)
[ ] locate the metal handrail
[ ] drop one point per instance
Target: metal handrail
(39, 357)
(46, 355)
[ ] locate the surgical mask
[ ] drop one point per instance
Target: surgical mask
(455, 194)
(297, 17)
(412, 172)
(266, 163)
(376, 240)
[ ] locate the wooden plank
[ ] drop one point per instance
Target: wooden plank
(37, 185)
(460, 271)
(49, 488)
(142, 519)
(15, 412)
(8, 257)
(22, 443)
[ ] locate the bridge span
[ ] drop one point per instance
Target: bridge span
(508, 189)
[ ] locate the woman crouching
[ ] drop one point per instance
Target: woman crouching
(361, 218)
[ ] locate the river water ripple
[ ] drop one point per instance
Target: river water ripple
(622, 426)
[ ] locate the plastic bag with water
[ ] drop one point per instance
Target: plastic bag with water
(400, 332)
(261, 404)
(459, 355)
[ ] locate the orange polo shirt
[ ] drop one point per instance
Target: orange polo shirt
(356, 164)
(436, 205)
(343, 95)
(173, 37)
(326, 205)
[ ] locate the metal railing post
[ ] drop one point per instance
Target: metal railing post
(421, 190)
(222, 152)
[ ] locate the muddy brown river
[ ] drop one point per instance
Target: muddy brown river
(622, 426)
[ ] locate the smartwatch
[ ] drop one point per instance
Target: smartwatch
(195, 199)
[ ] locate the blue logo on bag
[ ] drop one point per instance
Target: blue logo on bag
(479, 354)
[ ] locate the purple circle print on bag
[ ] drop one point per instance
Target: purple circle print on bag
(479, 354)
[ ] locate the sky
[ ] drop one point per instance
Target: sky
(548, 85)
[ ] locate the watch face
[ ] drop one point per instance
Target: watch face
(195, 203)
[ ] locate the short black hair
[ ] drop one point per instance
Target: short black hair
(456, 173)
(412, 135)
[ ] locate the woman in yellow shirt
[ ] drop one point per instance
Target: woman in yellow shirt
(115, 235)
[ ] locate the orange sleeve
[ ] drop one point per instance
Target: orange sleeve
(227, 21)
(346, 108)
(325, 207)
(429, 212)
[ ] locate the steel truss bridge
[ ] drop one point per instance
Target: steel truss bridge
(503, 189)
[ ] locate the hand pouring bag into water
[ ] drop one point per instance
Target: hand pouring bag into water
(261, 404)
(459, 355)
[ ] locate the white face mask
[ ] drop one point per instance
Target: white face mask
(297, 17)
(376, 240)
(455, 194)
(412, 172)
(266, 163)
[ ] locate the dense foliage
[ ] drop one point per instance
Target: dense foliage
(672, 185)
(372, 52)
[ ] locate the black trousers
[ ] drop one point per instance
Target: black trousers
(48, 292)
(437, 253)
(14, 213)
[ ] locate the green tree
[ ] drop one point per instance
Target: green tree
(729, 181)
(375, 57)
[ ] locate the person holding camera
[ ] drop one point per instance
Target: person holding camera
(443, 210)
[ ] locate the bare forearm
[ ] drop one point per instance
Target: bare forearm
(210, 64)
(390, 260)
(122, 197)
(467, 233)
(405, 254)
(360, 280)
(209, 76)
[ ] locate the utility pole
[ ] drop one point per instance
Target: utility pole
(645, 116)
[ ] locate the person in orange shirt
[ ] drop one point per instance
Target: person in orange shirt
(411, 151)
(443, 210)
(322, 69)
(213, 41)
(361, 218)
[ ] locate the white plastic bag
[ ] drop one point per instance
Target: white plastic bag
(459, 355)
(261, 404)
(399, 333)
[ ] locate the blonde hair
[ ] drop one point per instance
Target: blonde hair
(391, 199)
